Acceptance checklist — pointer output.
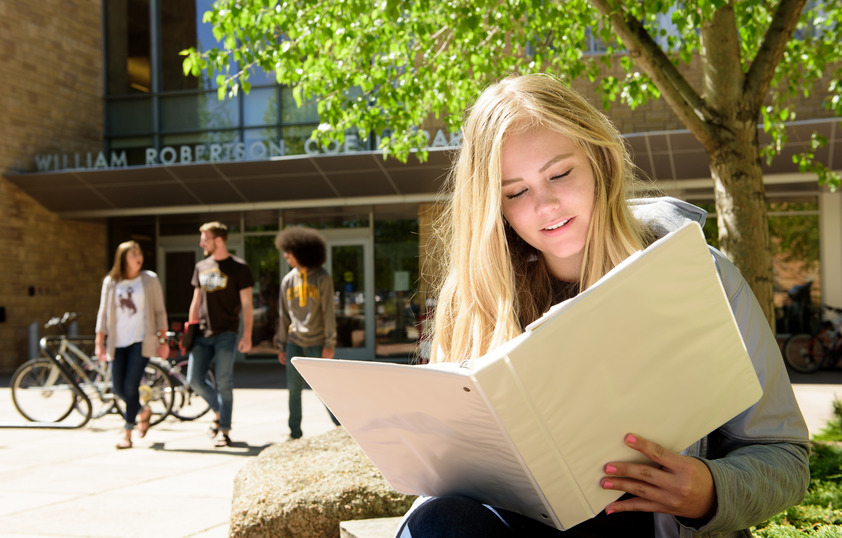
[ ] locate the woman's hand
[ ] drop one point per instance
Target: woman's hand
(678, 485)
(282, 357)
(164, 351)
(99, 351)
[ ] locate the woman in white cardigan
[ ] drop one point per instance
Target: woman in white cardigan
(131, 326)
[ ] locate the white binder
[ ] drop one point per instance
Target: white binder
(652, 348)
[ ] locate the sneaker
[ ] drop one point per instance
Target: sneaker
(223, 441)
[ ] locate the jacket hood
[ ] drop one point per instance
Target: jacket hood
(665, 214)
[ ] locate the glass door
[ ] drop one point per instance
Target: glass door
(350, 262)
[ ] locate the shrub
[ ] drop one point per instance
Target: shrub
(820, 513)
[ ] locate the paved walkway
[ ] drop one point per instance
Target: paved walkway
(73, 483)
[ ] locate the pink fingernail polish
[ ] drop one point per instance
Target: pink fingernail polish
(609, 511)
(631, 439)
(607, 484)
(610, 469)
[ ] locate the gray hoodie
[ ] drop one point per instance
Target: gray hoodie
(307, 316)
(759, 459)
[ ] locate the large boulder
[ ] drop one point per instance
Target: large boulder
(304, 488)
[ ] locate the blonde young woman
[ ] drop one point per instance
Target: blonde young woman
(131, 326)
(541, 207)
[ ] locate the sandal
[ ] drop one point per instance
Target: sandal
(123, 443)
(143, 423)
(223, 441)
(213, 430)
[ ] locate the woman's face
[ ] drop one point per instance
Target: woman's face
(134, 262)
(548, 197)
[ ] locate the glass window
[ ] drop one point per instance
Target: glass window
(266, 220)
(129, 117)
(188, 224)
(328, 217)
(398, 310)
(127, 47)
(260, 107)
(199, 111)
(181, 28)
(262, 144)
(178, 32)
(264, 261)
(290, 113)
(295, 138)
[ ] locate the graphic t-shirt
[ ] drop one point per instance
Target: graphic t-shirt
(131, 311)
(221, 282)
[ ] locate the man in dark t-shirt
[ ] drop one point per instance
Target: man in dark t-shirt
(222, 288)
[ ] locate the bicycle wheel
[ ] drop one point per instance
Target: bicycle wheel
(156, 391)
(803, 353)
(40, 393)
(187, 404)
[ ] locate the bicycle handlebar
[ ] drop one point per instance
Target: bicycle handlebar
(63, 320)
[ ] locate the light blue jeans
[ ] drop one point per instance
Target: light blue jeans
(295, 384)
(217, 350)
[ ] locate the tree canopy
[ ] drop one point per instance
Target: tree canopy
(388, 67)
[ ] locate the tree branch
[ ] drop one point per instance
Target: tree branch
(721, 63)
(685, 101)
(762, 69)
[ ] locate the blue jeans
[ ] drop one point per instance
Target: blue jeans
(219, 351)
(295, 384)
(126, 372)
(462, 517)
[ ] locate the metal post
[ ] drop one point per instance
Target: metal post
(34, 339)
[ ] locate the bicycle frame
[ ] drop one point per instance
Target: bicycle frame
(78, 360)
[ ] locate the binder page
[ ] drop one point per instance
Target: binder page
(654, 349)
(426, 428)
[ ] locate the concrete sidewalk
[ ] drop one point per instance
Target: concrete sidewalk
(174, 482)
(74, 483)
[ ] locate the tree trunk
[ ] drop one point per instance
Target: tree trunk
(741, 209)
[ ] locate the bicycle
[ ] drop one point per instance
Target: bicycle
(88, 374)
(187, 405)
(44, 391)
(807, 353)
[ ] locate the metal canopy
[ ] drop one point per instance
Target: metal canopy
(297, 181)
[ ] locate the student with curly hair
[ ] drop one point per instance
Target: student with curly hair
(307, 326)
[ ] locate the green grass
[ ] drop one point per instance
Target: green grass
(820, 514)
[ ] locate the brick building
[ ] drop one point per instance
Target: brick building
(105, 140)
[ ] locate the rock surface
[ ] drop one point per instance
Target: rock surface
(304, 488)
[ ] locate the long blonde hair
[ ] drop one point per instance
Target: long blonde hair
(495, 283)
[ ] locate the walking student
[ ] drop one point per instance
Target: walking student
(307, 326)
(222, 289)
(131, 326)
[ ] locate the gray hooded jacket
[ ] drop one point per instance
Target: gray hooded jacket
(759, 459)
